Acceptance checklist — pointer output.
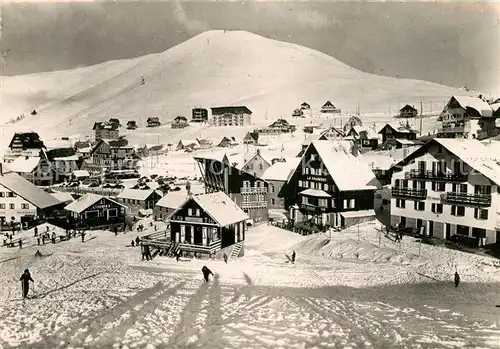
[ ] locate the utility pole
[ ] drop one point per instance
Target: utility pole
(421, 107)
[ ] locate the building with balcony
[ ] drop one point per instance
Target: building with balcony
(363, 137)
(105, 155)
(180, 122)
(331, 186)
(278, 127)
(276, 176)
(449, 188)
(93, 211)
(231, 116)
(401, 131)
(37, 170)
(24, 144)
(408, 111)
(206, 224)
(199, 115)
(466, 117)
(224, 173)
(153, 122)
(329, 108)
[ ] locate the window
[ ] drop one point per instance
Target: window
(400, 203)
(323, 202)
(460, 188)
(25, 206)
(421, 166)
(272, 188)
(2, 206)
(349, 203)
(197, 212)
(246, 184)
(12, 206)
(272, 202)
(11, 194)
(419, 206)
(438, 186)
(480, 213)
(261, 167)
(437, 208)
(458, 211)
(397, 183)
(304, 200)
(313, 157)
(2, 194)
(405, 183)
(326, 187)
(482, 189)
(190, 211)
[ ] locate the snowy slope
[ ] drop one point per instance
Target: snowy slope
(213, 68)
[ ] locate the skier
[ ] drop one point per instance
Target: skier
(225, 258)
(293, 257)
(26, 278)
(457, 279)
(206, 273)
(137, 241)
(133, 243)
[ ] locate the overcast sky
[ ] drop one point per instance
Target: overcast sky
(450, 43)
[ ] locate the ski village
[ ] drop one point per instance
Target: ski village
(302, 220)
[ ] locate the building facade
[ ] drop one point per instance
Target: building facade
(92, 211)
(398, 132)
(442, 191)
(139, 199)
(24, 144)
(104, 155)
(106, 130)
(408, 111)
(199, 115)
(231, 116)
(180, 122)
(257, 165)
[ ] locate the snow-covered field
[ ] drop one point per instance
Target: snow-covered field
(99, 294)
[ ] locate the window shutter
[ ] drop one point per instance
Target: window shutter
(476, 213)
(454, 210)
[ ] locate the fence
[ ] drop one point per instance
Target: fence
(83, 191)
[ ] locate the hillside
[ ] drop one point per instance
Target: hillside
(213, 68)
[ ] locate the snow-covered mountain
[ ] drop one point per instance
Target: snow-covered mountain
(211, 69)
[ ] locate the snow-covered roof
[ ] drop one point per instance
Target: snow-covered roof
(86, 201)
(173, 199)
(67, 158)
(188, 141)
(311, 138)
(494, 147)
(63, 196)
(348, 171)
(356, 214)
(135, 194)
(495, 106)
(27, 190)
(219, 207)
(403, 141)
(315, 192)
(81, 173)
(281, 171)
(24, 165)
(379, 161)
(475, 103)
(475, 154)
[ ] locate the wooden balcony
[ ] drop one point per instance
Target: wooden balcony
(409, 193)
(468, 199)
(459, 129)
(313, 208)
(214, 246)
(430, 175)
(254, 204)
(253, 190)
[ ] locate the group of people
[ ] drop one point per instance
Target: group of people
(136, 242)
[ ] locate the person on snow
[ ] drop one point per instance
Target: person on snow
(137, 241)
(53, 237)
(83, 236)
(457, 279)
(25, 279)
(116, 230)
(133, 243)
(178, 256)
(206, 272)
(38, 254)
(36, 231)
(20, 243)
(225, 258)
(293, 257)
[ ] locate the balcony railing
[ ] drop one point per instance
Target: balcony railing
(214, 246)
(313, 208)
(459, 129)
(253, 190)
(409, 193)
(254, 204)
(468, 199)
(420, 174)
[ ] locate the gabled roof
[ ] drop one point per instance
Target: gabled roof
(153, 119)
(173, 199)
(476, 103)
(105, 125)
(408, 107)
(315, 192)
(28, 190)
(231, 110)
(309, 139)
(26, 140)
(86, 201)
(348, 171)
(399, 128)
(181, 118)
(281, 171)
(131, 122)
(219, 207)
(328, 104)
(251, 135)
(63, 196)
(24, 165)
(186, 142)
(136, 194)
(304, 104)
(474, 153)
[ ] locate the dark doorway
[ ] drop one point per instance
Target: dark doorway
(198, 235)
(447, 228)
(431, 228)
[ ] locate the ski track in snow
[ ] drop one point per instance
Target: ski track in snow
(95, 295)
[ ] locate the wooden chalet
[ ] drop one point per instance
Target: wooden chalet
(131, 125)
(354, 121)
(333, 133)
(331, 186)
(400, 132)
(363, 137)
(251, 138)
(305, 106)
(187, 144)
(248, 191)
(204, 143)
(278, 127)
(141, 199)
(24, 144)
(227, 142)
(180, 122)
(153, 122)
(105, 130)
(207, 224)
(298, 113)
(408, 111)
(329, 108)
(93, 211)
(115, 121)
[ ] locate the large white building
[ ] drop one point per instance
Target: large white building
(21, 200)
(231, 116)
(449, 187)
